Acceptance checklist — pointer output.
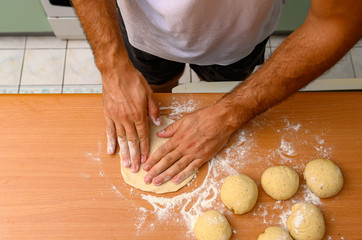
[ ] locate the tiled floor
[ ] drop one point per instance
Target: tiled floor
(49, 65)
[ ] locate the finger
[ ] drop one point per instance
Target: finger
(188, 171)
(134, 147)
(161, 152)
(154, 111)
(111, 136)
(176, 168)
(166, 162)
(123, 146)
(142, 132)
(170, 130)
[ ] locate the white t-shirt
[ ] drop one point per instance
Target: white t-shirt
(202, 32)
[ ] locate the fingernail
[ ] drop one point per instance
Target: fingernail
(158, 121)
(143, 159)
(110, 149)
(157, 181)
(134, 168)
(110, 146)
(126, 163)
(176, 180)
(148, 179)
(146, 167)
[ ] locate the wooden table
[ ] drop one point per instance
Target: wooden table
(57, 182)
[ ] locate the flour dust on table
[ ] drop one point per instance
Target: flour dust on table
(287, 148)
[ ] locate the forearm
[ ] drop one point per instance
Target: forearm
(303, 56)
(100, 23)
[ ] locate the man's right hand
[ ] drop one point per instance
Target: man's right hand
(127, 99)
(126, 94)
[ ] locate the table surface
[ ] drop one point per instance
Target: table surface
(57, 182)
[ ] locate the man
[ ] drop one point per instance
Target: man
(223, 40)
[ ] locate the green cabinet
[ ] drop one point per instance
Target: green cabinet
(23, 16)
(293, 15)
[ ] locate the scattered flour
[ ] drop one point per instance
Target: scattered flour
(184, 209)
(310, 197)
(178, 109)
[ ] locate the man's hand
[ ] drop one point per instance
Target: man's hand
(194, 140)
(127, 96)
(127, 99)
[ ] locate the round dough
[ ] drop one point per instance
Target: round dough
(137, 179)
(323, 178)
(239, 193)
(212, 225)
(280, 182)
(275, 233)
(306, 222)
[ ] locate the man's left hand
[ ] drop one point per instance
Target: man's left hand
(194, 140)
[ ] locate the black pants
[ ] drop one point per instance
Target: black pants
(157, 70)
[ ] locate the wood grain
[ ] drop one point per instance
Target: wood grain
(57, 182)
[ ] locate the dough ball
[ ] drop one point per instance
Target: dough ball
(275, 233)
(306, 222)
(280, 182)
(239, 193)
(323, 178)
(212, 225)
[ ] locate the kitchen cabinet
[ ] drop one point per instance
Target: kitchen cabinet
(293, 15)
(23, 16)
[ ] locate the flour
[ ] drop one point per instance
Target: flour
(310, 197)
(286, 149)
(298, 220)
(205, 197)
(178, 109)
(185, 208)
(331, 238)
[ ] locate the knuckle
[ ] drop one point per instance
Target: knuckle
(143, 138)
(122, 138)
(153, 172)
(180, 164)
(168, 159)
(154, 108)
(163, 150)
(138, 118)
(133, 141)
(194, 166)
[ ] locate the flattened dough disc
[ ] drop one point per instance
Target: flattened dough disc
(136, 179)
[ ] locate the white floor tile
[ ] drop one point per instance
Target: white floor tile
(7, 42)
(80, 68)
(186, 76)
(268, 53)
(10, 66)
(78, 44)
(356, 54)
(276, 40)
(8, 89)
(82, 88)
(43, 67)
(194, 77)
(268, 43)
(45, 42)
(40, 89)
(343, 69)
(359, 43)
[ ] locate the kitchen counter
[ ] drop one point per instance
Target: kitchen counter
(57, 182)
